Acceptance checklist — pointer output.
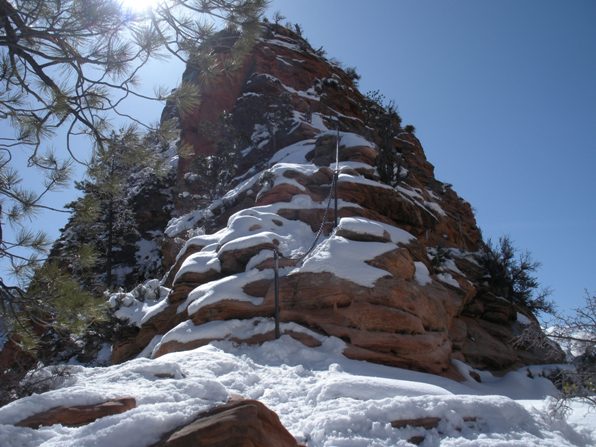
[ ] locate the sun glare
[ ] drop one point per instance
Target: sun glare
(138, 5)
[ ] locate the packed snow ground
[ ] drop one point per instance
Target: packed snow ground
(323, 398)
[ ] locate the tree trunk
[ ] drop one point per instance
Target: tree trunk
(110, 243)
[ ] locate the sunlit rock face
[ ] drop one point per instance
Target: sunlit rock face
(394, 273)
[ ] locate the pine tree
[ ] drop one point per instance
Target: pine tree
(103, 216)
(382, 117)
(510, 276)
(212, 174)
(71, 65)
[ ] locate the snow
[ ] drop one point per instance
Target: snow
(262, 224)
(283, 61)
(349, 139)
(410, 193)
(295, 153)
(422, 275)
(302, 201)
(148, 254)
(162, 405)
(435, 207)
(318, 123)
(104, 355)
(252, 240)
(361, 225)
(347, 259)
(339, 114)
(227, 288)
(351, 165)
(202, 240)
(281, 43)
(448, 279)
(416, 197)
(179, 224)
(321, 397)
(200, 262)
(522, 319)
(244, 186)
(239, 329)
(141, 304)
(579, 342)
(280, 170)
(306, 94)
(347, 178)
(582, 416)
(449, 264)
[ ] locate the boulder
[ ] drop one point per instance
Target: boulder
(244, 423)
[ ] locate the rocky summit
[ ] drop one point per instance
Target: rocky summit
(310, 192)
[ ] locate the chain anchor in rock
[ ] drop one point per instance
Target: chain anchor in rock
(276, 289)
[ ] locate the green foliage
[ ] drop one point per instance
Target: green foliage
(54, 301)
(510, 275)
(103, 216)
(409, 128)
(72, 64)
(19, 205)
(187, 98)
(67, 62)
(60, 301)
(321, 52)
(21, 381)
(275, 113)
(382, 118)
(353, 75)
(278, 17)
(439, 255)
(211, 174)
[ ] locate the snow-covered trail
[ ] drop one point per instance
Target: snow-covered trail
(323, 398)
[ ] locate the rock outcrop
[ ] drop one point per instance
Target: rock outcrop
(397, 278)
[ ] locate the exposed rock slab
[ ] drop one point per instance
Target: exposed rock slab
(76, 416)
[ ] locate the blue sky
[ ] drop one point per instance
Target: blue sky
(503, 96)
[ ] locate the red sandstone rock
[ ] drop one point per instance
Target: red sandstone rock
(244, 423)
(427, 423)
(78, 415)
(398, 321)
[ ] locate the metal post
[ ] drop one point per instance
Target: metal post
(337, 149)
(276, 289)
(336, 174)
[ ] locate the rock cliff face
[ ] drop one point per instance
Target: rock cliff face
(397, 279)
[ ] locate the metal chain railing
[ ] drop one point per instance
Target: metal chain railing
(277, 255)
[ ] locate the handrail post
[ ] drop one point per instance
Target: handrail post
(336, 174)
(276, 289)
